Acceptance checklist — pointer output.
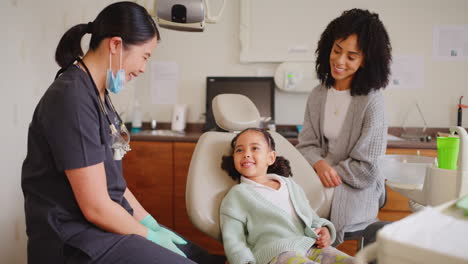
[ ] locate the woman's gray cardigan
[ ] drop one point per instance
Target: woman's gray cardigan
(361, 141)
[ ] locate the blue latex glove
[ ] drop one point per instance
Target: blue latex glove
(150, 223)
(167, 239)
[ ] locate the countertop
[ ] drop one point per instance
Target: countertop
(147, 135)
(409, 144)
(192, 135)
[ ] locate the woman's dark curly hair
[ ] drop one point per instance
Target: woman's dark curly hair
(280, 166)
(373, 41)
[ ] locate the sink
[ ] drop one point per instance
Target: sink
(419, 178)
(161, 132)
(406, 174)
(405, 169)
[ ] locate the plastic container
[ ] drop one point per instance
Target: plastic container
(179, 117)
(447, 152)
(136, 118)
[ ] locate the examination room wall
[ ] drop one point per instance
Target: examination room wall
(216, 52)
(31, 30)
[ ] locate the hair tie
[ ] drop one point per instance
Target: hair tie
(89, 28)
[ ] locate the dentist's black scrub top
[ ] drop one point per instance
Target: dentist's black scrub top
(68, 131)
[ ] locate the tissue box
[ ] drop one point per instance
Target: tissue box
(431, 236)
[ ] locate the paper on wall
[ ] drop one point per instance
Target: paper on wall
(450, 42)
(407, 72)
(164, 82)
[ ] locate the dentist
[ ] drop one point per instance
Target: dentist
(78, 208)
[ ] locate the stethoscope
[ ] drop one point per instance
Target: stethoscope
(120, 140)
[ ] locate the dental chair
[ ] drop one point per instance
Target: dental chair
(207, 183)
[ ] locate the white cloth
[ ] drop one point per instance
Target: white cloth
(278, 197)
(430, 231)
(336, 108)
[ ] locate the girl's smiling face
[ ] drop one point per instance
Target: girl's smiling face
(252, 155)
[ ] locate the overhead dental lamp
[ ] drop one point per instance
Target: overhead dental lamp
(185, 15)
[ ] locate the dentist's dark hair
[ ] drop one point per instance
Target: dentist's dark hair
(280, 166)
(373, 41)
(127, 20)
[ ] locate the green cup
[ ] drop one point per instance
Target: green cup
(447, 152)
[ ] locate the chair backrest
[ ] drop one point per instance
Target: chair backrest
(207, 183)
(235, 112)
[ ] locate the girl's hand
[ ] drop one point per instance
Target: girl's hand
(324, 239)
(328, 176)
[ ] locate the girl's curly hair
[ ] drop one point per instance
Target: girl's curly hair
(373, 41)
(280, 166)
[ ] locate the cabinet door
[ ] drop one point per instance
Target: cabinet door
(182, 156)
(148, 172)
(396, 207)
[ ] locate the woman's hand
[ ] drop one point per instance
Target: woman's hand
(324, 239)
(328, 176)
(167, 239)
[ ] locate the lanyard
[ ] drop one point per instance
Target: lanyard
(120, 139)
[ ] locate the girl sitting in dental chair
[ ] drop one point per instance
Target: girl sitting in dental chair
(267, 218)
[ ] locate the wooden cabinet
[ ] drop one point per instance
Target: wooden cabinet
(148, 170)
(156, 173)
(396, 208)
(182, 156)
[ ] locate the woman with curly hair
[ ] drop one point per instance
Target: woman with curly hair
(344, 130)
(267, 218)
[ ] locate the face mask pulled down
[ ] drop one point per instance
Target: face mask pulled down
(115, 83)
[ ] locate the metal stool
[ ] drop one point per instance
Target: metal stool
(356, 235)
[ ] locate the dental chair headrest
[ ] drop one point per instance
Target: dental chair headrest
(235, 112)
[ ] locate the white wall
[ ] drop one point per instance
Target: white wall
(409, 23)
(31, 29)
(215, 52)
